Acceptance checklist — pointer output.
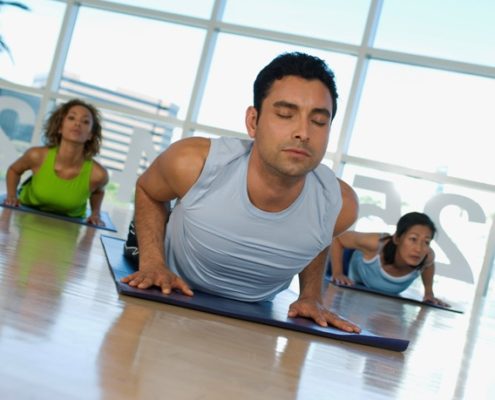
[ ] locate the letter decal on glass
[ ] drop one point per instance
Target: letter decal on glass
(458, 267)
(391, 213)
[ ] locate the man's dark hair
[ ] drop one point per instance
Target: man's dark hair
(294, 64)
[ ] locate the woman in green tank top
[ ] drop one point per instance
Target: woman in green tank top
(64, 174)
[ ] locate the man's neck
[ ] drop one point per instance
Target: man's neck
(270, 191)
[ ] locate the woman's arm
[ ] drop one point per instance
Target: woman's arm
(30, 160)
(368, 243)
(98, 181)
(427, 276)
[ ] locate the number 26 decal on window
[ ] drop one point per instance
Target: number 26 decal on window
(458, 266)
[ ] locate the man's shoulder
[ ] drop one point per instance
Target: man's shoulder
(188, 150)
(232, 145)
(225, 150)
(326, 184)
(325, 176)
(200, 146)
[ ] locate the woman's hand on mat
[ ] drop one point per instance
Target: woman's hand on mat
(429, 298)
(341, 279)
(315, 310)
(12, 201)
(95, 219)
(162, 277)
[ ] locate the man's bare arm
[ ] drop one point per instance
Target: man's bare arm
(30, 160)
(169, 177)
(309, 304)
(350, 208)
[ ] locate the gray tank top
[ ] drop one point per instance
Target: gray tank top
(220, 243)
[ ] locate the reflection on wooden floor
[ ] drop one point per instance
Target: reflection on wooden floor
(65, 333)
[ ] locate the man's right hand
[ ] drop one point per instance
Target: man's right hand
(157, 276)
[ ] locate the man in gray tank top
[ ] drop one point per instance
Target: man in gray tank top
(251, 213)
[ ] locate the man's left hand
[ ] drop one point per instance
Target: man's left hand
(433, 300)
(313, 309)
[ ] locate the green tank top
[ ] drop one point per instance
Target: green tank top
(47, 192)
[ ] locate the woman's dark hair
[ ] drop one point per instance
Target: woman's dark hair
(294, 64)
(406, 222)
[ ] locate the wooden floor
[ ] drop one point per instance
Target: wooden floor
(65, 333)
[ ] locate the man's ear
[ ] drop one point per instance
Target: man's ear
(251, 121)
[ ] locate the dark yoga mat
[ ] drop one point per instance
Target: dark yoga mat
(267, 312)
(407, 296)
(104, 216)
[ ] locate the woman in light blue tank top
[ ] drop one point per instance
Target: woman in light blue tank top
(389, 263)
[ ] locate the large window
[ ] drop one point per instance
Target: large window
(416, 80)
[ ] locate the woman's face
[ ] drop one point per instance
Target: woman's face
(77, 125)
(413, 245)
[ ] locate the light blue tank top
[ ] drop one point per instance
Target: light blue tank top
(219, 243)
(371, 274)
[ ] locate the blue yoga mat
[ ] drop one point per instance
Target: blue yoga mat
(267, 312)
(409, 297)
(109, 226)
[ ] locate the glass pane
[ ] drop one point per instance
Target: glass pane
(107, 53)
(122, 131)
(193, 8)
(31, 50)
(130, 143)
(18, 115)
(73, 87)
(457, 30)
(118, 132)
(335, 20)
(230, 81)
(427, 119)
(463, 215)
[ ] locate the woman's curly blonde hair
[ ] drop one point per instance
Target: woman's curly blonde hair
(54, 122)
